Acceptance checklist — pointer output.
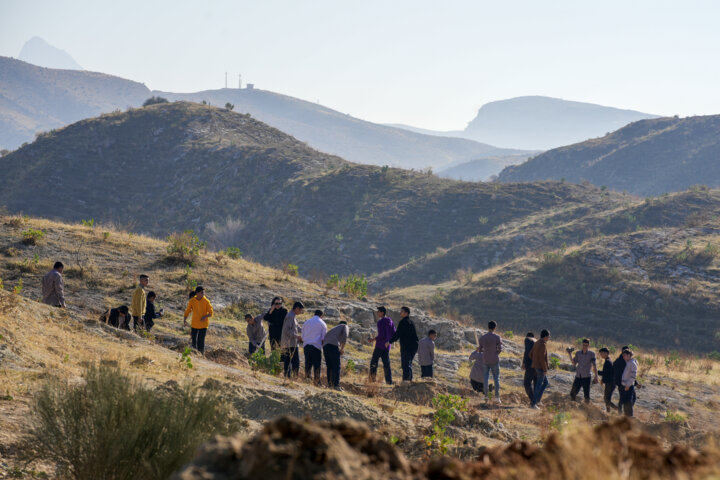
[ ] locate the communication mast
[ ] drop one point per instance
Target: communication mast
(225, 79)
(239, 81)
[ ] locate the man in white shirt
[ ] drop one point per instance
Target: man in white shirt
(313, 333)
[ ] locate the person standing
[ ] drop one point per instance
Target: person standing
(408, 343)
(530, 378)
(385, 331)
(333, 348)
(313, 333)
(618, 369)
(53, 286)
(150, 313)
(289, 341)
(275, 317)
(584, 360)
(490, 346)
(255, 333)
(629, 376)
(477, 372)
(201, 309)
(139, 301)
(606, 378)
(426, 354)
(539, 359)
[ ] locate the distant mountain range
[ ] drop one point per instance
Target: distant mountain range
(38, 52)
(35, 99)
(539, 123)
(648, 157)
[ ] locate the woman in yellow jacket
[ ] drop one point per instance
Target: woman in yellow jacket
(201, 309)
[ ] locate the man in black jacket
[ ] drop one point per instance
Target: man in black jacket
(275, 318)
(408, 342)
(150, 313)
(607, 378)
(530, 379)
(618, 369)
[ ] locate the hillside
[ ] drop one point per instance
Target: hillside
(480, 170)
(39, 343)
(628, 282)
(239, 182)
(541, 123)
(35, 99)
(38, 52)
(648, 157)
(348, 137)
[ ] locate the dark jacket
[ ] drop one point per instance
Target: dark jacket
(527, 362)
(150, 314)
(607, 372)
(618, 369)
(275, 324)
(407, 335)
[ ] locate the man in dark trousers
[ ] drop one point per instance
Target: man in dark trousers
(584, 362)
(385, 331)
(618, 369)
(606, 378)
(530, 379)
(333, 348)
(408, 343)
(275, 317)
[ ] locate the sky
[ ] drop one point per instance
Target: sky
(429, 64)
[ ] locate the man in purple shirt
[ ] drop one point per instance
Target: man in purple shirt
(385, 329)
(490, 345)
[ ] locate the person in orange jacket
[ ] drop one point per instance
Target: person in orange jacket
(201, 309)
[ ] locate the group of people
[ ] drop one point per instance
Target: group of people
(285, 333)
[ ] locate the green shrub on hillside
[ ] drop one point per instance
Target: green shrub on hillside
(154, 100)
(112, 427)
(233, 252)
(184, 246)
(353, 285)
(31, 236)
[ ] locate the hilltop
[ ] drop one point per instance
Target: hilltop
(34, 100)
(38, 342)
(38, 52)
(239, 182)
(648, 157)
(541, 123)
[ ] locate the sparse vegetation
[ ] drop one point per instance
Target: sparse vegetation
(233, 252)
(154, 101)
(269, 364)
(446, 407)
(31, 236)
(184, 246)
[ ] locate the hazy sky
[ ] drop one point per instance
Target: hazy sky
(425, 63)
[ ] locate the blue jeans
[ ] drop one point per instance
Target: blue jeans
(541, 383)
(495, 369)
(406, 359)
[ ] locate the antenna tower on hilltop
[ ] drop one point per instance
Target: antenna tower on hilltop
(225, 79)
(239, 81)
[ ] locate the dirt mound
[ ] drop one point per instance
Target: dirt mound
(418, 393)
(288, 448)
(226, 357)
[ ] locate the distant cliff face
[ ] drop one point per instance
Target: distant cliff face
(541, 123)
(648, 157)
(38, 52)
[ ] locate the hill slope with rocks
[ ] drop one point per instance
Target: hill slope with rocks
(648, 157)
(371, 424)
(541, 123)
(241, 183)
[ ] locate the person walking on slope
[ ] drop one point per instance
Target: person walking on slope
(289, 341)
(629, 376)
(584, 360)
(477, 372)
(618, 369)
(150, 313)
(333, 348)
(426, 354)
(408, 343)
(490, 346)
(275, 317)
(606, 378)
(539, 359)
(530, 378)
(385, 331)
(201, 309)
(313, 334)
(53, 287)
(139, 302)
(255, 333)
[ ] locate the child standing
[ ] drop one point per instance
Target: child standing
(426, 354)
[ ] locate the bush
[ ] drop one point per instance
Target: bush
(154, 101)
(112, 427)
(290, 269)
(270, 365)
(233, 252)
(31, 236)
(554, 363)
(229, 106)
(184, 246)
(446, 407)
